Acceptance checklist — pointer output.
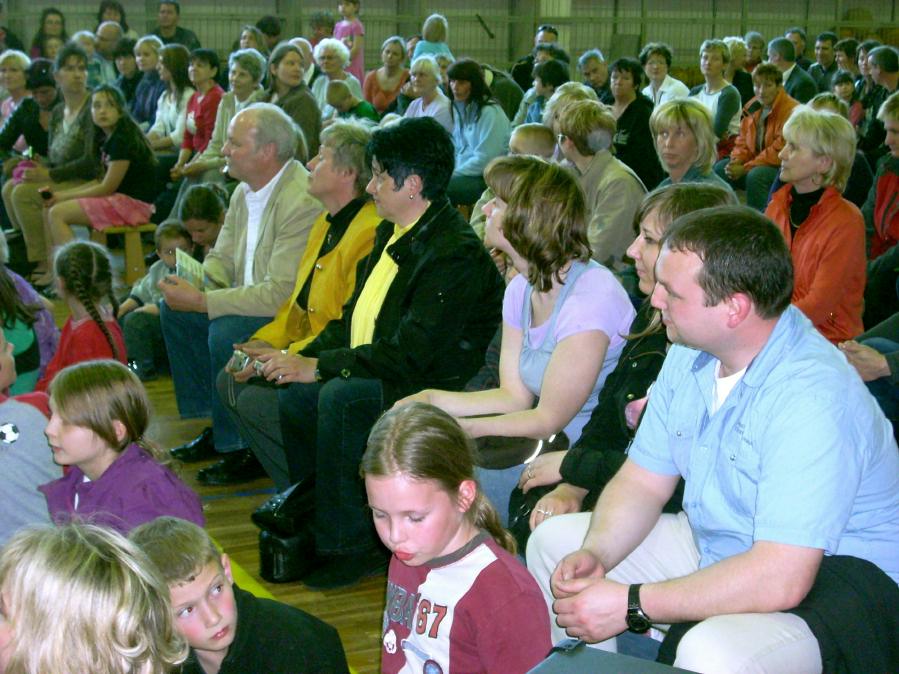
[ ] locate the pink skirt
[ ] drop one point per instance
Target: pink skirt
(116, 210)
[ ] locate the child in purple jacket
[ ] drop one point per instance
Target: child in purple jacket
(100, 413)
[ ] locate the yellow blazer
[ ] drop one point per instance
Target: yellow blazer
(332, 284)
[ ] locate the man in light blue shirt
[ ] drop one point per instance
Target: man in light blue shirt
(786, 458)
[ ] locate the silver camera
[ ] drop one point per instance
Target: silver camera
(239, 361)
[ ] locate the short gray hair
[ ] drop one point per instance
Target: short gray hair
(273, 125)
(250, 60)
(330, 44)
(348, 139)
(590, 55)
(20, 57)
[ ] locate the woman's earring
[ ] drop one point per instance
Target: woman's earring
(411, 196)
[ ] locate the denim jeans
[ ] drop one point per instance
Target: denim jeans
(324, 429)
(198, 348)
(143, 341)
(253, 407)
(497, 486)
(757, 183)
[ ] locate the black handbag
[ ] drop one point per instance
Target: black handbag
(283, 559)
(497, 452)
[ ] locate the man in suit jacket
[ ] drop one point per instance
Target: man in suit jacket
(798, 83)
(797, 36)
(249, 273)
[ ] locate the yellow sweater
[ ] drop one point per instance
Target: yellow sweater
(332, 284)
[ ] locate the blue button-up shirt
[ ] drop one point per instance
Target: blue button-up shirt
(799, 452)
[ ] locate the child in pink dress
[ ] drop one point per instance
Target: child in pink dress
(351, 32)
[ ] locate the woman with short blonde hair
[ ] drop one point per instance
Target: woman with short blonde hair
(685, 142)
(825, 232)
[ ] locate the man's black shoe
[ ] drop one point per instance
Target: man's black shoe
(198, 449)
(235, 468)
(285, 514)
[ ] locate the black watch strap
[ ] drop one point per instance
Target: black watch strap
(637, 620)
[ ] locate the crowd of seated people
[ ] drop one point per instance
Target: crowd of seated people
(412, 298)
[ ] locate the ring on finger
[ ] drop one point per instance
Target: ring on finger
(541, 511)
(530, 472)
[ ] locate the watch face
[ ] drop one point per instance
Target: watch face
(638, 623)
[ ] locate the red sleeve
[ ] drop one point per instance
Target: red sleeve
(188, 142)
(38, 400)
(205, 118)
(86, 342)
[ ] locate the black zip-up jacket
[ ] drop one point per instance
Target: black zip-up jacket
(438, 316)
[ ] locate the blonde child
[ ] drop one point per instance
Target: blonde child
(99, 414)
(456, 595)
(84, 281)
(228, 629)
(351, 32)
(83, 599)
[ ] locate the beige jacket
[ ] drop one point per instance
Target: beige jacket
(283, 232)
(613, 194)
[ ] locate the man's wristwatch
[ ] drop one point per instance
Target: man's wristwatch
(637, 621)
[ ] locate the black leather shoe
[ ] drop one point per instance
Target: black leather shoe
(198, 449)
(235, 468)
(339, 571)
(285, 514)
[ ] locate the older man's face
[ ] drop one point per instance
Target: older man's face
(108, 36)
(240, 151)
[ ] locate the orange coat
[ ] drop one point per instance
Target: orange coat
(744, 147)
(828, 261)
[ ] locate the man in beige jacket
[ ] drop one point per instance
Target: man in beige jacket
(249, 273)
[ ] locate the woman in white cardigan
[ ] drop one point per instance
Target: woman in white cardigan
(656, 61)
(167, 132)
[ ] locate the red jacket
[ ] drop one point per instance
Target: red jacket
(881, 210)
(744, 147)
(828, 261)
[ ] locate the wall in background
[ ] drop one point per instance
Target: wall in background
(500, 31)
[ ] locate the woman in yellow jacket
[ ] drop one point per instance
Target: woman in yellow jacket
(342, 235)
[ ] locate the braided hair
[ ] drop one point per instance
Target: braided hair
(85, 270)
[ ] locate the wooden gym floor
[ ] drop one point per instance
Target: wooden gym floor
(355, 612)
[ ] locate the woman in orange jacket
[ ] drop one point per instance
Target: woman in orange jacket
(824, 231)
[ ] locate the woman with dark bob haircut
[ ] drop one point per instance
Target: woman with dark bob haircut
(633, 141)
(656, 61)
(426, 304)
(563, 317)
(481, 130)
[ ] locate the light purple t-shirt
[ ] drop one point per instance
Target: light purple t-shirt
(596, 301)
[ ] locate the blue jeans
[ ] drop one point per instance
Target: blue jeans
(198, 348)
(497, 485)
(757, 183)
(324, 428)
